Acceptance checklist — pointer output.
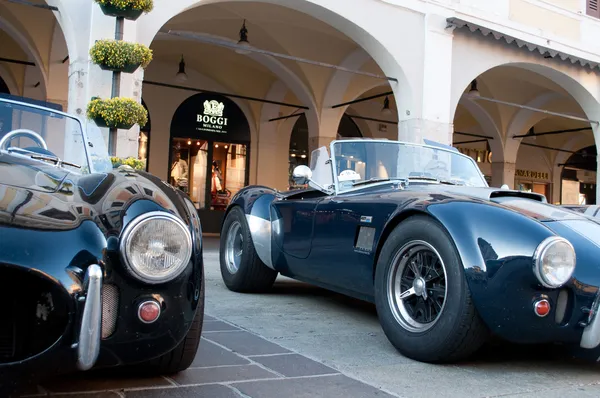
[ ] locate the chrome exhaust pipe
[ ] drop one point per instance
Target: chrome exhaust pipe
(88, 347)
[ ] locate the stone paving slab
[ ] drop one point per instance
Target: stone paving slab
(298, 340)
(231, 362)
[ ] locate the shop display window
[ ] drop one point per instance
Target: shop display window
(193, 160)
(228, 173)
(189, 160)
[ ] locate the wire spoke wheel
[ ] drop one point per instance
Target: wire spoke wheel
(233, 247)
(416, 287)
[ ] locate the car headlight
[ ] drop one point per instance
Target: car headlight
(156, 247)
(554, 261)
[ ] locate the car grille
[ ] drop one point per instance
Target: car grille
(110, 307)
(35, 317)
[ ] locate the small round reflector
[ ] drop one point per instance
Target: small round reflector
(541, 308)
(148, 311)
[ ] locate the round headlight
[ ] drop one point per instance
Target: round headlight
(156, 247)
(554, 261)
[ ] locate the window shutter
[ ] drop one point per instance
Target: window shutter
(593, 8)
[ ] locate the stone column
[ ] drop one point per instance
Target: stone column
(87, 80)
(503, 173)
(435, 121)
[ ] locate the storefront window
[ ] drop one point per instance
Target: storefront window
(228, 173)
(188, 168)
(210, 154)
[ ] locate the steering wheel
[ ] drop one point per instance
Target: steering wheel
(22, 132)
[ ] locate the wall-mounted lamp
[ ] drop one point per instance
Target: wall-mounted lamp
(181, 75)
(474, 92)
(386, 107)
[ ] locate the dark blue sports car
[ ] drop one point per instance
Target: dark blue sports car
(99, 268)
(447, 260)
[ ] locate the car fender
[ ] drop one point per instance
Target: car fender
(255, 201)
(495, 245)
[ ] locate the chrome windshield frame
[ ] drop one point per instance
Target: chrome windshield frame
(86, 141)
(386, 141)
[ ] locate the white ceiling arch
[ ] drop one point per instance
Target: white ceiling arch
(343, 19)
(283, 73)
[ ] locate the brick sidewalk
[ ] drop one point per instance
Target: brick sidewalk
(231, 363)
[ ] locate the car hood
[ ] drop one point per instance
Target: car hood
(529, 204)
(38, 196)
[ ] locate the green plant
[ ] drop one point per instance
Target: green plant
(141, 5)
(117, 112)
(118, 54)
(134, 163)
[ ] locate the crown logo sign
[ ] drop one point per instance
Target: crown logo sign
(213, 108)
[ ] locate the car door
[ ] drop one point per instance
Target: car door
(343, 245)
(295, 219)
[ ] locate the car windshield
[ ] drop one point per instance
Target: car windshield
(357, 163)
(49, 136)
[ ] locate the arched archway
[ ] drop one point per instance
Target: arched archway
(348, 128)
(35, 58)
(523, 113)
(344, 19)
(578, 177)
(273, 87)
(209, 153)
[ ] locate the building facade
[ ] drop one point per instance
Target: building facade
(240, 92)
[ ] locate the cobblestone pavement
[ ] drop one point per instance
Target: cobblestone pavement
(302, 341)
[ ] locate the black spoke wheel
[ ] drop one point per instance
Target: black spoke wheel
(417, 286)
(422, 297)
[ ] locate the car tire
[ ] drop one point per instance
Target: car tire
(182, 356)
(241, 268)
(412, 325)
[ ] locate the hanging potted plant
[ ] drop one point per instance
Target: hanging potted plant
(128, 9)
(118, 112)
(120, 56)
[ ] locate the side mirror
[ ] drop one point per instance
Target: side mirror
(302, 174)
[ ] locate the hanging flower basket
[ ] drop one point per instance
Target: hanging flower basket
(121, 113)
(120, 56)
(128, 9)
(136, 164)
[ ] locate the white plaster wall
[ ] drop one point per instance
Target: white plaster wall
(407, 38)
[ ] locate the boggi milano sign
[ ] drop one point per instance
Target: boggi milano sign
(212, 118)
(209, 116)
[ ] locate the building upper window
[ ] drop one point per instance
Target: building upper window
(593, 8)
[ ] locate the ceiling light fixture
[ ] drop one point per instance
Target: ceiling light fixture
(243, 40)
(386, 107)
(181, 75)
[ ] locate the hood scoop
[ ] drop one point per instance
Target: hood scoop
(506, 193)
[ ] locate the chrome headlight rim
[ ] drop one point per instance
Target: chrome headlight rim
(538, 256)
(129, 232)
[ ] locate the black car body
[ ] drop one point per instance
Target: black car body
(447, 260)
(74, 299)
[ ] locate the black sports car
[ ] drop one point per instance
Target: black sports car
(447, 260)
(98, 267)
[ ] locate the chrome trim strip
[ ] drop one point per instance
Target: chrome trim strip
(591, 333)
(91, 322)
(260, 229)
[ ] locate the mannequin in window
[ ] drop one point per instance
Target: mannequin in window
(216, 178)
(179, 172)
